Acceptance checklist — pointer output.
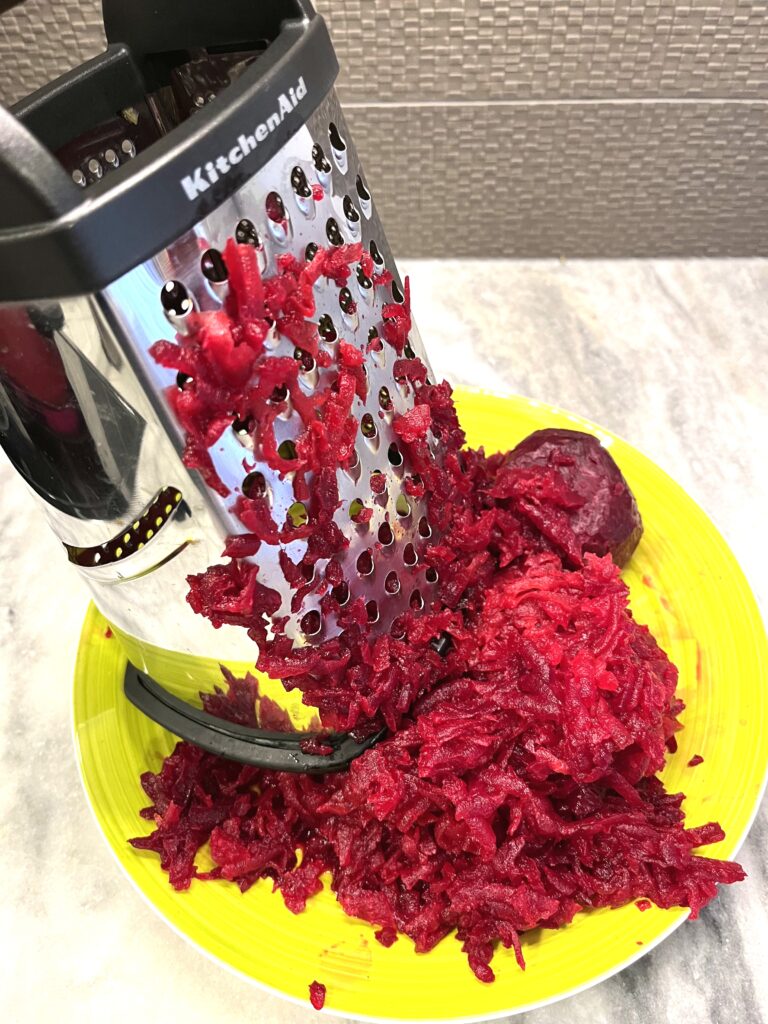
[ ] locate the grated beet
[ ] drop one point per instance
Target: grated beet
(528, 711)
(317, 994)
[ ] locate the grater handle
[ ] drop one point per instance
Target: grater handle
(82, 97)
(152, 28)
(278, 751)
(56, 240)
(33, 185)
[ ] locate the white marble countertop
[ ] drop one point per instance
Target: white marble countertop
(671, 355)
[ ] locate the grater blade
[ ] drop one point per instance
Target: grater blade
(279, 211)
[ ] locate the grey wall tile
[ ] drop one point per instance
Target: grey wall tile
(557, 170)
(41, 39)
(473, 49)
(517, 49)
(595, 179)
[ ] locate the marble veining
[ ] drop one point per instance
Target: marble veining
(673, 355)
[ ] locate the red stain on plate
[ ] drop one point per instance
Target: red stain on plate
(648, 582)
(108, 633)
(699, 663)
(696, 759)
(348, 958)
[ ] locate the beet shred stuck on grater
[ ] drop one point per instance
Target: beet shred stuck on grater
(120, 185)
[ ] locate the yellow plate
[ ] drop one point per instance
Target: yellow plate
(685, 585)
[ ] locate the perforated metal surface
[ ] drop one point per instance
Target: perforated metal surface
(392, 542)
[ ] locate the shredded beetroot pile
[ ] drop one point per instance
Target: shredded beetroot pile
(528, 712)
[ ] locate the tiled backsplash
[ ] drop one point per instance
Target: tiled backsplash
(526, 127)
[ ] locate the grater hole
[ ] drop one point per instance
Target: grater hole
(425, 530)
(368, 427)
(213, 267)
(299, 183)
(357, 510)
(326, 329)
(408, 351)
(347, 303)
(275, 207)
(442, 644)
(376, 347)
(410, 558)
(279, 394)
(332, 232)
(319, 159)
(287, 450)
(272, 339)
(244, 427)
(305, 359)
(246, 233)
(307, 570)
(362, 191)
(402, 506)
(372, 610)
(311, 623)
(286, 412)
(353, 217)
(354, 468)
(182, 379)
(392, 583)
(397, 295)
(416, 601)
(378, 259)
(431, 575)
(255, 485)
(310, 252)
(175, 299)
(378, 482)
(362, 278)
(337, 142)
(297, 514)
(394, 455)
(309, 378)
(340, 594)
(386, 536)
(397, 629)
(365, 563)
(385, 399)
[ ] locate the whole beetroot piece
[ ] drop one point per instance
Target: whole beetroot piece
(603, 515)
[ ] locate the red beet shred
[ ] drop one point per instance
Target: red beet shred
(528, 711)
(317, 994)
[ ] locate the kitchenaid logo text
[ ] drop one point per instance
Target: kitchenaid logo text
(203, 177)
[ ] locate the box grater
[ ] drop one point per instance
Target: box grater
(120, 184)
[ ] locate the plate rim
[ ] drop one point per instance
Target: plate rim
(682, 913)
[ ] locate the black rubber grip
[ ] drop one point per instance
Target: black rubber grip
(279, 751)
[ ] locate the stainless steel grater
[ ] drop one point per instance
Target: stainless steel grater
(119, 186)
